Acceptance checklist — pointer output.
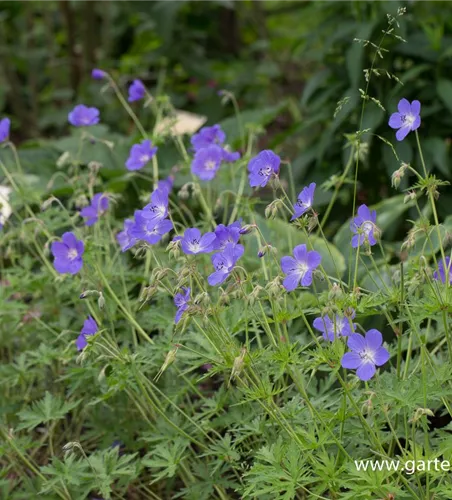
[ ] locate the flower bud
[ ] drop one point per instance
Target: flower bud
(247, 228)
(335, 292)
(238, 365)
(63, 159)
(101, 301)
(272, 209)
(169, 359)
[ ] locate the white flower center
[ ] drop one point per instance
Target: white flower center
(209, 165)
(408, 120)
(265, 171)
(72, 254)
(144, 158)
(302, 268)
(367, 227)
(367, 355)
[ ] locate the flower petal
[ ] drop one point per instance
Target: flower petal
(291, 282)
(374, 339)
(415, 107)
(402, 133)
(404, 106)
(351, 360)
(366, 371)
(395, 120)
(288, 264)
(356, 342)
(381, 356)
(300, 253)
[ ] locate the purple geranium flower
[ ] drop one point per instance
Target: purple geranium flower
(68, 254)
(181, 301)
(140, 155)
(158, 208)
(137, 91)
(441, 272)
(363, 226)
(99, 205)
(262, 167)
(82, 116)
(206, 162)
(208, 136)
(304, 201)
(89, 328)
(407, 119)
(300, 267)
(98, 74)
(366, 353)
(148, 229)
(5, 123)
(331, 330)
(193, 243)
(224, 263)
(124, 238)
(227, 234)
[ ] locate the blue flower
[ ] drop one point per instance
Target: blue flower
(98, 74)
(262, 167)
(137, 91)
(158, 208)
(224, 263)
(332, 330)
(440, 274)
(206, 162)
(124, 238)
(363, 226)
(193, 243)
(181, 301)
(68, 254)
(407, 119)
(366, 353)
(299, 269)
(227, 234)
(149, 229)
(5, 124)
(208, 136)
(82, 116)
(304, 201)
(89, 328)
(99, 205)
(140, 155)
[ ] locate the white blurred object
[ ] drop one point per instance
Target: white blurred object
(5, 207)
(182, 122)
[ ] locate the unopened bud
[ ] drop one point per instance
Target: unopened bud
(272, 209)
(313, 221)
(63, 159)
(335, 292)
(238, 365)
(419, 413)
(88, 293)
(169, 359)
(202, 299)
(409, 197)
(101, 301)
(254, 295)
(247, 228)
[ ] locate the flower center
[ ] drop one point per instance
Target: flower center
(209, 165)
(367, 227)
(265, 171)
(408, 119)
(220, 265)
(302, 268)
(302, 204)
(367, 356)
(144, 158)
(194, 245)
(72, 254)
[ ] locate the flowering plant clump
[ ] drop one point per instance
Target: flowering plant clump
(231, 340)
